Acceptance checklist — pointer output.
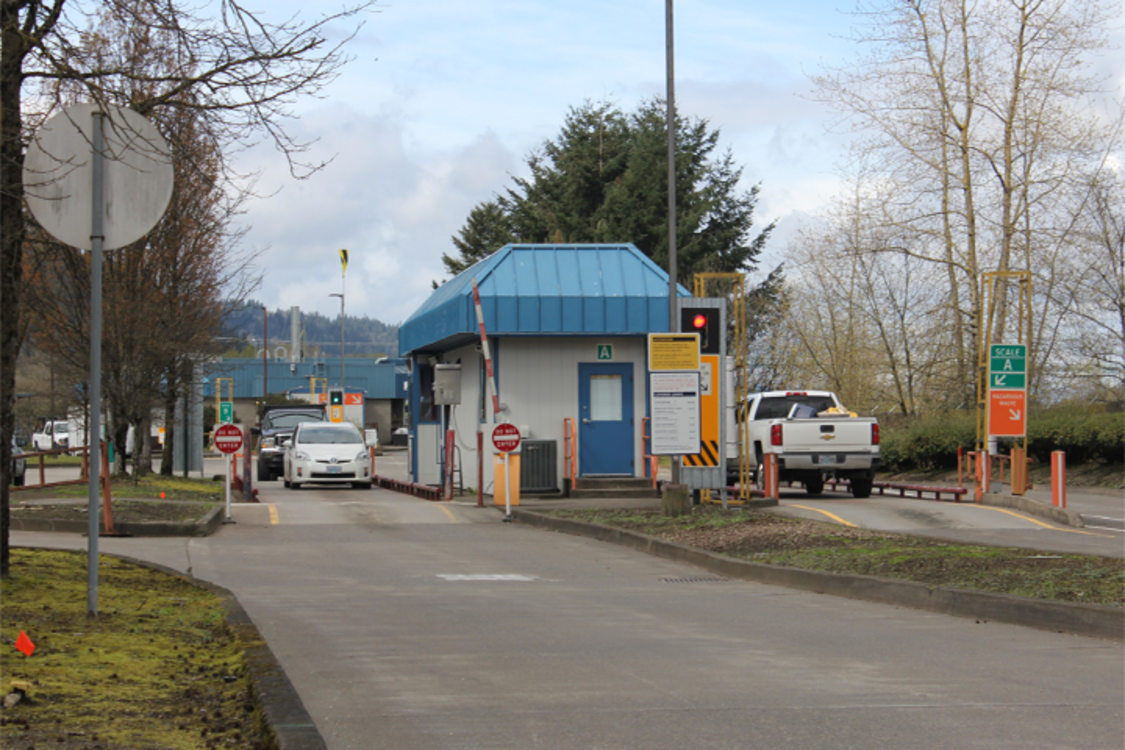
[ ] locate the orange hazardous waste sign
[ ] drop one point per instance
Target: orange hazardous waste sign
(1007, 413)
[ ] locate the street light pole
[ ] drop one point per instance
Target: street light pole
(343, 289)
(265, 354)
(341, 296)
(670, 117)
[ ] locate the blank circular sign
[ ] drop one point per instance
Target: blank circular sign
(58, 176)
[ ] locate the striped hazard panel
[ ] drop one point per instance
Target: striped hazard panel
(708, 457)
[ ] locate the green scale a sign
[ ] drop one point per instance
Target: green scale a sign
(1007, 366)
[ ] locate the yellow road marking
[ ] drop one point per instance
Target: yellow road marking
(833, 516)
(273, 514)
(1040, 523)
(449, 513)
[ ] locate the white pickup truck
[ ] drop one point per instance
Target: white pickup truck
(55, 433)
(814, 437)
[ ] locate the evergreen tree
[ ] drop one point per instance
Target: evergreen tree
(487, 230)
(603, 179)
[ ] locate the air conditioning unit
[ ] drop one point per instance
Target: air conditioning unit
(538, 463)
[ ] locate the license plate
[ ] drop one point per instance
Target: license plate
(334, 469)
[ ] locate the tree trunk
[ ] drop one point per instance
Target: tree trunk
(12, 51)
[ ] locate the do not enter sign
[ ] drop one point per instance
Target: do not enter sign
(228, 438)
(506, 437)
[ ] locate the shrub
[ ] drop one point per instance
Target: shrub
(931, 442)
(927, 443)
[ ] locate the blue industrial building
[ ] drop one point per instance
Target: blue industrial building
(382, 381)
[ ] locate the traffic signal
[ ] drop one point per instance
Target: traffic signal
(705, 322)
(336, 397)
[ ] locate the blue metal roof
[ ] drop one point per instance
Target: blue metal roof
(545, 290)
(377, 380)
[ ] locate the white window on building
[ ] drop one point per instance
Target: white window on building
(605, 398)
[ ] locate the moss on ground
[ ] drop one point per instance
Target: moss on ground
(157, 667)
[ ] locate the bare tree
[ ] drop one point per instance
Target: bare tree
(240, 72)
(978, 118)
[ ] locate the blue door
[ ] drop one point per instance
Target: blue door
(605, 416)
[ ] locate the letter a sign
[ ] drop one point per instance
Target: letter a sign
(1007, 391)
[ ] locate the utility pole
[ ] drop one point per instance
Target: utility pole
(670, 117)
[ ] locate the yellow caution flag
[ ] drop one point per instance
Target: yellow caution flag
(343, 261)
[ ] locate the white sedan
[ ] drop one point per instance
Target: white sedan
(332, 452)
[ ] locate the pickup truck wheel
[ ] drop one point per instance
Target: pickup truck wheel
(264, 474)
(861, 486)
(814, 486)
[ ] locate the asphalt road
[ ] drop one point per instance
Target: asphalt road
(1103, 534)
(410, 624)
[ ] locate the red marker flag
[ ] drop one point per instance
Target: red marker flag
(24, 644)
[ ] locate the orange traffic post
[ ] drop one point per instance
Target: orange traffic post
(1058, 479)
(978, 475)
(769, 481)
(1018, 459)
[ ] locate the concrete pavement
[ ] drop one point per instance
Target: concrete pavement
(295, 726)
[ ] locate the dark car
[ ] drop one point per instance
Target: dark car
(275, 429)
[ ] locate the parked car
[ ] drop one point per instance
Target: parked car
(277, 425)
(331, 452)
(19, 464)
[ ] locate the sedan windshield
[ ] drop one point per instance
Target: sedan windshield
(330, 434)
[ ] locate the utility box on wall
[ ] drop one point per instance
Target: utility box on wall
(447, 385)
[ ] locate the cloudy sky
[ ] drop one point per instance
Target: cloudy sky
(444, 100)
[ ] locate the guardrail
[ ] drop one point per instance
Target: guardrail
(40, 458)
(425, 491)
(920, 491)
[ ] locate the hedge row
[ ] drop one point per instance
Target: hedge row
(930, 443)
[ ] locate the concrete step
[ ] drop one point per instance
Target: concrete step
(612, 487)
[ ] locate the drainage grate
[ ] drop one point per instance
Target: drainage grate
(695, 579)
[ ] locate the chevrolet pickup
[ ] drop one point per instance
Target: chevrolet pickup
(813, 437)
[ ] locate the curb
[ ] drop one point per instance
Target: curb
(1034, 507)
(203, 527)
(1079, 619)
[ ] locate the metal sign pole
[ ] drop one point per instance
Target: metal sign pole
(97, 239)
(507, 486)
(228, 458)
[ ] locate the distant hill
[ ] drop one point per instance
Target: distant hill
(320, 334)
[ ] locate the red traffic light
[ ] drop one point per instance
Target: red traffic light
(699, 321)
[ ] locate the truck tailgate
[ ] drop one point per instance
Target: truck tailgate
(827, 435)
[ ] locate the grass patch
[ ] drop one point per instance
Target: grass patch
(158, 667)
(149, 498)
(813, 545)
(149, 487)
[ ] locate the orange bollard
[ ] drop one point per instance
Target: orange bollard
(769, 481)
(1019, 471)
(1058, 479)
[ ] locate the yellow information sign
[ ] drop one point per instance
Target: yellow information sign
(673, 351)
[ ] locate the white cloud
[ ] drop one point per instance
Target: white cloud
(444, 100)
